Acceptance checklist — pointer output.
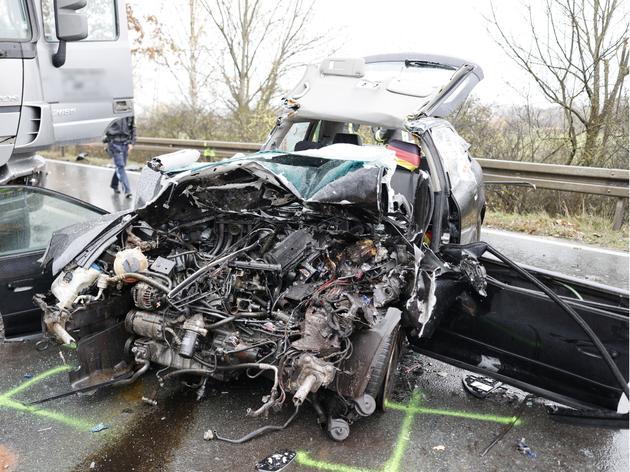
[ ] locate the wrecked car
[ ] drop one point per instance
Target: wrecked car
(355, 228)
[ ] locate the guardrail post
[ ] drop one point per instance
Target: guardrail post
(619, 214)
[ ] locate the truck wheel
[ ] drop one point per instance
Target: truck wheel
(383, 376)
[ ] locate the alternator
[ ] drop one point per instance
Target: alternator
(145, 296)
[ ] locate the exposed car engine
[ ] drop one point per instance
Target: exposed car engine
(242, 278)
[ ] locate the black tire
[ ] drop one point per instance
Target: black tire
(383, 376)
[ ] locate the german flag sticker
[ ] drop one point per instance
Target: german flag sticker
(407, 154)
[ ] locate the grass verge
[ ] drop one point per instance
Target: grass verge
(587, 229)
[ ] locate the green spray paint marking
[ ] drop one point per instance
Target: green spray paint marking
(458, 414)
(6, 400)
(304, 458)
(38, 378)
(411, 409)
(393, 464)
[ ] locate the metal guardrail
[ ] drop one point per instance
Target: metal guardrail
(589, 180)
(214, 149)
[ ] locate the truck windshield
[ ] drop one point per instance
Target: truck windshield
(14, 24)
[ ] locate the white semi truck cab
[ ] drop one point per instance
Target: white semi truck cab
(65, 75)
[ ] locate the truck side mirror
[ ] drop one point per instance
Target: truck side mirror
(70, 25)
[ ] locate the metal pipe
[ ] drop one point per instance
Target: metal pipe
(141, 277)
(62, 334)
(199, 272)
(136, 374)
(258, 431)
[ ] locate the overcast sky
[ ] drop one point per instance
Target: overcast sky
(364, 27)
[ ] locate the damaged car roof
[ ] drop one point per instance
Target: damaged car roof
(381, 89)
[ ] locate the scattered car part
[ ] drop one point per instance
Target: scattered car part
(479, 386)
(276, 462)
(257, 432)
(508, 427)
(524, 449)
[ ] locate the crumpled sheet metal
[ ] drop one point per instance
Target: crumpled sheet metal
(308, 185)
(65, 244)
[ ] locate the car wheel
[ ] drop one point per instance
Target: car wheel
(383, 376)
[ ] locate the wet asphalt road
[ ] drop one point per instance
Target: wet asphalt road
(169, 436)
(56, 436)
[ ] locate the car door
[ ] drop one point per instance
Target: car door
(28, 217)
(517, 334)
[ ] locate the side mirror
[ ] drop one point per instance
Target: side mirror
(69, 26)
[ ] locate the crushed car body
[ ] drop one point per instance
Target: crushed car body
(312, 260)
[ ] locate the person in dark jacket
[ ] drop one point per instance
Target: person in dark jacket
(120, 138)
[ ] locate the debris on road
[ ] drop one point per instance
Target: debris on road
(414, 369)
(276, 462)
(439, 448)
(524, 449)
(208, 435)
(44, 429)
(98, 428)
(479, 386)
(149, 401)
(486, 387)
(507, 428)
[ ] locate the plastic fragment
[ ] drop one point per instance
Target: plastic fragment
(98, 428)
(524, 449)
(208, 435)
(439, 448)
(276, 462)
(479, 386)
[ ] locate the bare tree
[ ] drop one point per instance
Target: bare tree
(578, 57)
(180, 48)
(260, 41)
